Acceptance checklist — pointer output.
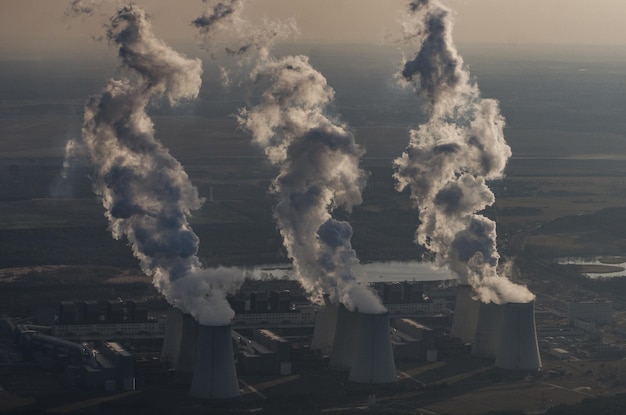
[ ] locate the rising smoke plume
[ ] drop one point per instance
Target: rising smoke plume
(147, 195)
(317, 156)
(319, 171)
(222, 26)
(451, 156)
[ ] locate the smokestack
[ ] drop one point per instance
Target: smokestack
(488, 330)
(325, 325)
(465, 314)
(214, 375)
(518, 347)
(345, 339)
(373, 361)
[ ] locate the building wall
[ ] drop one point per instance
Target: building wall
(600, 312)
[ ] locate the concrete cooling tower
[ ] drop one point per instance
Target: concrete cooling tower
(325, 325)
(344, 340)
(214, 375)
(187, 352)
(179, 345)
(373, 361)
(488, 330)
(171, 342)
(518, 347)
(465, 314)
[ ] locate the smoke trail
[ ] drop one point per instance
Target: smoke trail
(147, 194)
(319, 171)
(222, 26)
(450, 157)
(80, 7)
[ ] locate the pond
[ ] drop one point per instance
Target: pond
(600, 266)
(387, 271)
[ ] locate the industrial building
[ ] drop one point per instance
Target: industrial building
(95, 320)
(599, 312)
(108, 368)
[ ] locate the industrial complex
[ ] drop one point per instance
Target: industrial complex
(122, 346)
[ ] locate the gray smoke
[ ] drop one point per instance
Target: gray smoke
(81, 7)
(147, 195)
(450, 157)
(319, 171)
(222, 27)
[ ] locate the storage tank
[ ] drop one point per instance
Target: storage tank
(518, 347)
(488, 330)
(344, 339)
(465, 314)
(325, 325)
(214, 375)
(373, 361)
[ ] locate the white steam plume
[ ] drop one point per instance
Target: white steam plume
(319, 171)
(317, 156)
(450, 157)
(147, 195)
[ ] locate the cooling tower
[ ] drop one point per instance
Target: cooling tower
(171, 342)
(325, 324)
(214, 375)
(373, 355)
(465, 314)
(488, 330)
(186, 358)
(518, 347)
(344, 340)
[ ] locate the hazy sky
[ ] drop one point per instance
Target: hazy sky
(32, 27)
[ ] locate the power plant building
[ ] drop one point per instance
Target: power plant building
(599, 312)
(95, 320)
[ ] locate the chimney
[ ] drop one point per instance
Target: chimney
(373, 361)
(214, 375)
(488, 330)
(518, 347)
(345, 338)
(324, 331)
(465, 314)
